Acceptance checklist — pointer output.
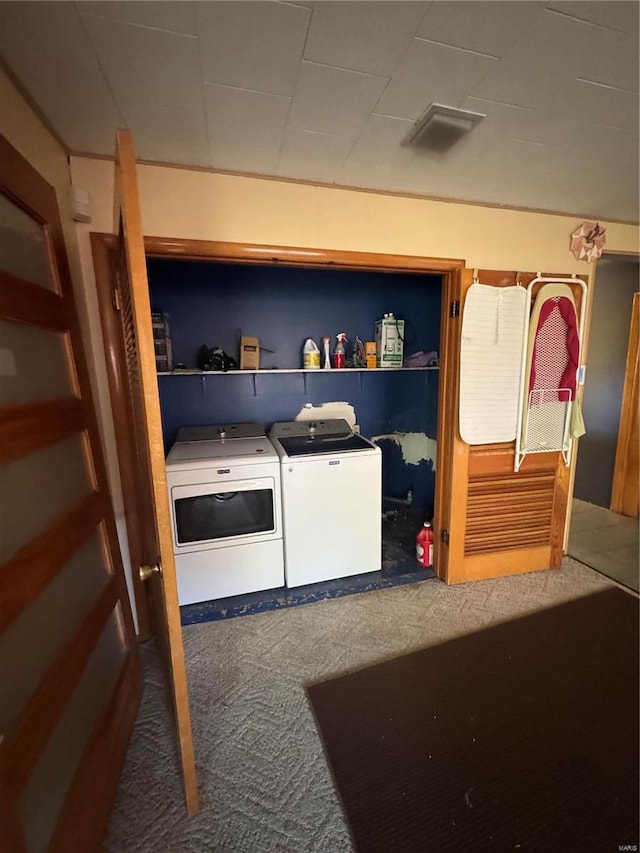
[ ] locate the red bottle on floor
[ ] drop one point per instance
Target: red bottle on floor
(424, 546)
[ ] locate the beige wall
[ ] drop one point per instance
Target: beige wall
(206, 206)
(199, 205)
(25, 131)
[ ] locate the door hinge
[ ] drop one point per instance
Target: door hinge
(444, 536)
(454, 309)
(115, 298)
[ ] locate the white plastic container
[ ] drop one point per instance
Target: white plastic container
(326, 359)
(390, 341)
(310, 355)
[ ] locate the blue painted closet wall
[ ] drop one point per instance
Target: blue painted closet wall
(213, 304)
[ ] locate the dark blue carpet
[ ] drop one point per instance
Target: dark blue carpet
(398, 567)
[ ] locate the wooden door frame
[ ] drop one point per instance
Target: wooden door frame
(621, 473)
(213, 251)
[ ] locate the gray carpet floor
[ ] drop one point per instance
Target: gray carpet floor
(263, 780)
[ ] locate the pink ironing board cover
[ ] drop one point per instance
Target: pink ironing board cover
(556, 350)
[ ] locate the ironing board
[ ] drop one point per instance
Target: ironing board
(490, 359)
(550, 366)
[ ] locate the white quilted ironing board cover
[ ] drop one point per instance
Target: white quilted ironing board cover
(490, 362)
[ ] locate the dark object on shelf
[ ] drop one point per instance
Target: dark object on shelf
(162, 341)
(215, 359)
(422, 359)
(359, 359)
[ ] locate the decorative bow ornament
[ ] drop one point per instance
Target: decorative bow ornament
(588, 241)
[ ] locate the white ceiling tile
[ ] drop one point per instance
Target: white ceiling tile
(423, 179)
(147, 67)
(488, 27)
(512, 160)
(252, 45)
(500, 121)
(602, 105)
(381, 139)
(240, 117)
(312, 156)
(432, 73)
(330, 100)
(616, 15)
(378, 154)
(564, 131)
(549, 177)
(244, 158)
(48, 50)
(363, 36)
(616, 61)
(610, 153)
(170, 135)
(574, 120)
(429, 168)
(540, 66)
(178, 16)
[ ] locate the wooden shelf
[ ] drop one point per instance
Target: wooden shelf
(292, 370)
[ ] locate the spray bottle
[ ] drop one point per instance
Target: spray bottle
(338, 353)
(326, 361)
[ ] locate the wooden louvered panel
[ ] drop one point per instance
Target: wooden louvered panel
(135, 390)
(511, 521)
(146, 497)
(508, 512)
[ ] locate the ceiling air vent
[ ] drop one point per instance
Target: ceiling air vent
(441, 127)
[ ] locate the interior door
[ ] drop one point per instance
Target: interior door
(146, 499)
(492, 521)
(69, 663)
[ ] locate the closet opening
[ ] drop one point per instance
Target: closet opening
(214, 294)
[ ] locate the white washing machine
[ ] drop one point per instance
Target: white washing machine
(226, 511)
(331, 500)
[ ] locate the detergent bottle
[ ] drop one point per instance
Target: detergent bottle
(424, 546)
(310, 355)
(338, 353)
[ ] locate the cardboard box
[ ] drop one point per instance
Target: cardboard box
(370, 350)
(249, 353)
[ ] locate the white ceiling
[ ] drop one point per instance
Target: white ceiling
(327, 91)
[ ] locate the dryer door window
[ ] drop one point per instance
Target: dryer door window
(223, 511)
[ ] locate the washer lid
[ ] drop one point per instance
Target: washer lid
(315, 445)
(219, 432)
(327, 428)
(249, 451)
